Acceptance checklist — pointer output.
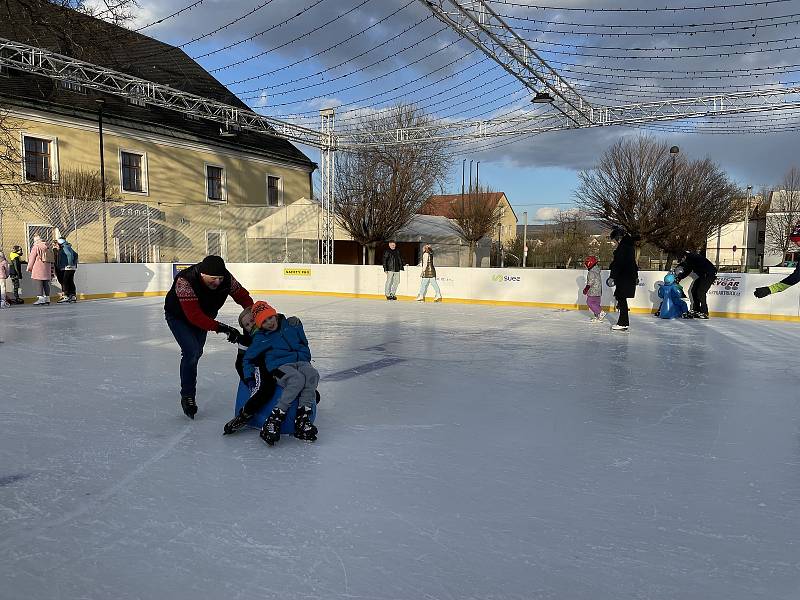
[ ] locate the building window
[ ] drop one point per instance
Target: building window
(215, 183)
(217, 243)
(38, 159)
(274, 191)
(132, 166)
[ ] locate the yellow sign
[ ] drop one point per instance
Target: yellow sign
(301, 272)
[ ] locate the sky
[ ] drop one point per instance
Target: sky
(289, 58)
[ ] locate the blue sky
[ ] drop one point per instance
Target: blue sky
(289, 58)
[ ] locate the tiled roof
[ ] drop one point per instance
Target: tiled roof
(442, 205)
(42, 24)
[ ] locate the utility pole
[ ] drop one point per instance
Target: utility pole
(525, 240)
(746, 229)
(470, 177)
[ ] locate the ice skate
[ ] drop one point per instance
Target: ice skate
(601, 317)
(418, 299)
(271, 431)
(72, 299)
(303, 427)
(236, 423)
(438, 299)
(63, 300)
(189, 406)
(617, 327)
(41, 300)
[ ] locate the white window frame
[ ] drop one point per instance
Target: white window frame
(145, 172)
(280, 190)
(53, 155)
(224, 183)
(223, 242)
(28, 238)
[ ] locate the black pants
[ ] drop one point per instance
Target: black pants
(264, 389)
(622, 306)
(698, 292)
(68, 282)
(191, 340)
(15, 282)
(60, 276)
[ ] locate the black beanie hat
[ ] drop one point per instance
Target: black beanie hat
(213, 265)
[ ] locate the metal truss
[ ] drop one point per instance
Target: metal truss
(766, 100)
(475, 21)
(327, 171)
(30, 59)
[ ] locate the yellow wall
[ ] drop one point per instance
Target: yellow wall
(175, 182)
(509, 223)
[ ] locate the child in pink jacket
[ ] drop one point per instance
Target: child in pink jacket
(40, 266)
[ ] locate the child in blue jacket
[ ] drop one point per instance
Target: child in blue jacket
(280, 344)
(672, 303)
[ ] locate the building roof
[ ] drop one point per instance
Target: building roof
(442, 205)
(42, 24)
(536, 230)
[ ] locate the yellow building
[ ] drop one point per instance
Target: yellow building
(183, 188)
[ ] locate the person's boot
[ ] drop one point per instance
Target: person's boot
(271, 431)
(189, 406)
(40, 300)
(303, 427)
(63, 300)
(236, 423)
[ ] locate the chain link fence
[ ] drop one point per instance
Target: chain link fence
(142, 231)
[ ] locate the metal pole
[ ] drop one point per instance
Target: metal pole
(100, 104)
(525, 240)
(746, 228)
(285, 234)
(75, 220)
(470, 177)
(477, 180)
(719, 241)
(463, 166)
(150, 256)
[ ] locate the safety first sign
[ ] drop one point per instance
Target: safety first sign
(297, 272)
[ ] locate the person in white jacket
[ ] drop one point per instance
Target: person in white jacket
(428, 275)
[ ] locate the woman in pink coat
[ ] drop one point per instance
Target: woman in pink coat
(40, 266)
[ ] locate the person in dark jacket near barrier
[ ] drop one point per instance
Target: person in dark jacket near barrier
(624, 275)
(191, 307)
(706, 274)
(15, 263)
(392, 265)
(67, 264)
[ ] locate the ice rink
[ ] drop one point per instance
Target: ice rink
(465, 452)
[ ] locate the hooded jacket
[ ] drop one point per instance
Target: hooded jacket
(15, 264)
(287, 344)
(67, 257)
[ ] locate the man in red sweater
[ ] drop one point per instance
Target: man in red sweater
(191, 308)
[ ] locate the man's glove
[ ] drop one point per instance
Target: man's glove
(293, 321)
(610, 282)
(231, 333)
(586, 290)
(760, 292)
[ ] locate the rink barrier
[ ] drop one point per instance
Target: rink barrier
(731, 295)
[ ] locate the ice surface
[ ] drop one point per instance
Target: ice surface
(464, 452)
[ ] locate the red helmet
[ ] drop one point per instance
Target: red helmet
(590, 261)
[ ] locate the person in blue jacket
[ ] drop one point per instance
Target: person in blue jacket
(67, 264)
(672, 304)
(280, 344)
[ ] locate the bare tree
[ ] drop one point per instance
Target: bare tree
(784, 214)
(671, 203)
(378, 190)
(119, 12)
(474, 217)
(73, 201)
(630, 186)
(705, 200)
(10, 160)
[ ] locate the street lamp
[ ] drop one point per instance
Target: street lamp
(746, 228)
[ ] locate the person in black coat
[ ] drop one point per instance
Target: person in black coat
(624, 274)
(706, 274)
(392, 265)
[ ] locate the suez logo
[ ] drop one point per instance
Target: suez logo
(500, 278)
